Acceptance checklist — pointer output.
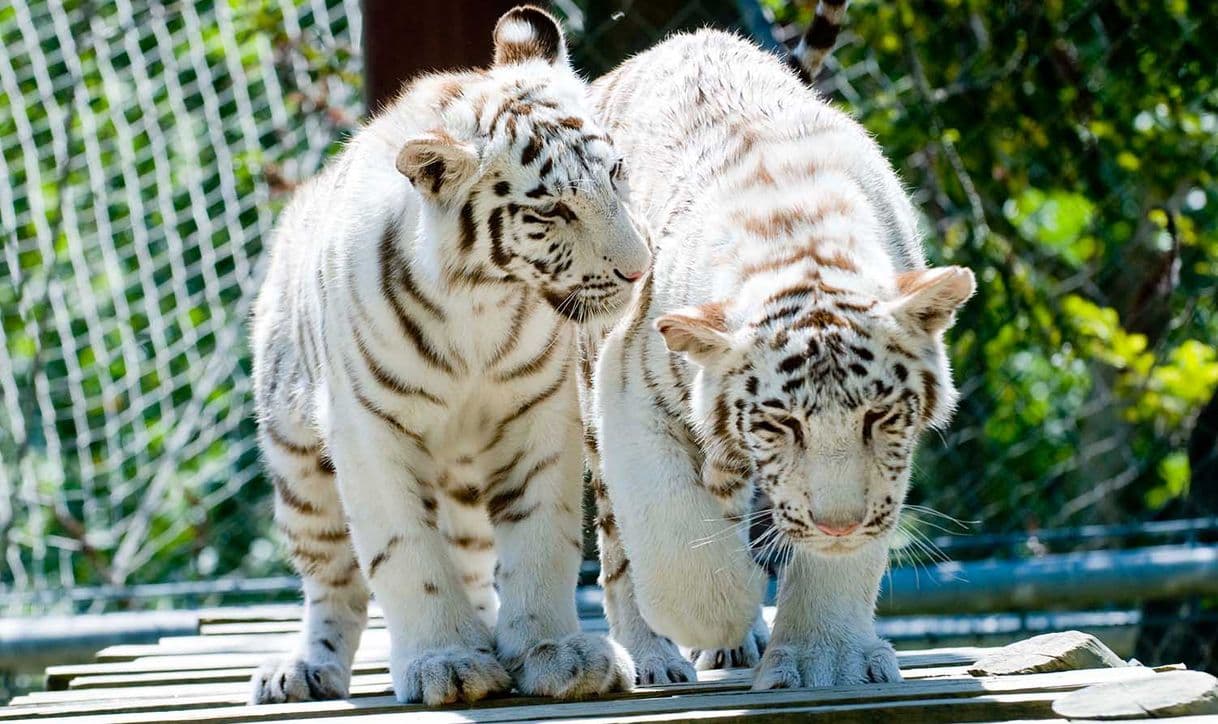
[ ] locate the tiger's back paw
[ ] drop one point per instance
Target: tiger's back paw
(295, 679)
(746, 655)
(659, 661)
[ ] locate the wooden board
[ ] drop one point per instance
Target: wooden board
(204, 680)
(201, 695)
(369, 658)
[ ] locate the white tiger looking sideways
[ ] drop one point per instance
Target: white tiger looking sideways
(414, 347)
(787, 338)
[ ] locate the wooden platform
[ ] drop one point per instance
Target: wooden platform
(203, 679)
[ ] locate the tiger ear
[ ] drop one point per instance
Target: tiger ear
(437, 165)
(930, 297)
(700, 333)
(527, 33)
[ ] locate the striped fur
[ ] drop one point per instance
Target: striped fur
(788, 340)
(415, 375)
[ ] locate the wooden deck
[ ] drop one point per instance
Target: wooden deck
(203, 679)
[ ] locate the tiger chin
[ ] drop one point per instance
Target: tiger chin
(415, 381)
(788, 340)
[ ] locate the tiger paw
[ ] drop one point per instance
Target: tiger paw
(448, 676)
(659, 661)
(576, 666)
(840, 662)
(295, 679)
(747, 654)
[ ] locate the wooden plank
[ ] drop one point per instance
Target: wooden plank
(187, 669)
(254, 642)
(658, 700)
(900, 712)
(233, 685)
(1175, 693)
(189, 645)
(897, 712)
(369, 661)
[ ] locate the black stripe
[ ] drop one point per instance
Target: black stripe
(383, 556)
(500, 474)
(495, 225)
(388, 419)
(409, 327)
(469, 232)
(406, 279)
(501, 428)
(782, 313)
(523, 307)
(290, 499)
(282, 442)
(531, 150)
(536, 364)
(466, 494)
(386, 378)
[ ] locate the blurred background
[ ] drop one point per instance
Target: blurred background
(1065, 150)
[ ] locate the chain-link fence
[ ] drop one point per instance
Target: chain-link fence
(1062, 150)
(142, 147)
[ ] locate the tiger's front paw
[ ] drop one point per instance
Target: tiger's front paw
(449, 675)
(824, 662)
(574, 667)
(747, 654)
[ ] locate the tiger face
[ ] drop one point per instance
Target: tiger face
(827, 405)
(522, 176)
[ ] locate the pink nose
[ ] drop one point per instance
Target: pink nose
(628, 276)
(837, 530)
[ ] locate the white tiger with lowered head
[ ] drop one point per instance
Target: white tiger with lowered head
(788, 338)
(415, 356)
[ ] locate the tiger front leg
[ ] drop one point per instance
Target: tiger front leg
(694, 580)
(439, 650)
(657, 660)
(726, 477)
(824, 631)
(536, 514)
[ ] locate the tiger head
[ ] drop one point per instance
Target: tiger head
(517, 172)
(826, 406)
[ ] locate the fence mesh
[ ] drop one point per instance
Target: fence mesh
(142, 146)
(1062, 150)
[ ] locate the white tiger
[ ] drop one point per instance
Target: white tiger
(788, 338)
(414, 348)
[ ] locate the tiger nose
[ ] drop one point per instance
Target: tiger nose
(628, 276)
(838, 530)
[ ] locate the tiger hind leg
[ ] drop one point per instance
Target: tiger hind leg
(309, 513)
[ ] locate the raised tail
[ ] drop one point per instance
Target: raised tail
(818, 40)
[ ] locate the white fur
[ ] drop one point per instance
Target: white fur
(702, 120)
(403, 458)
